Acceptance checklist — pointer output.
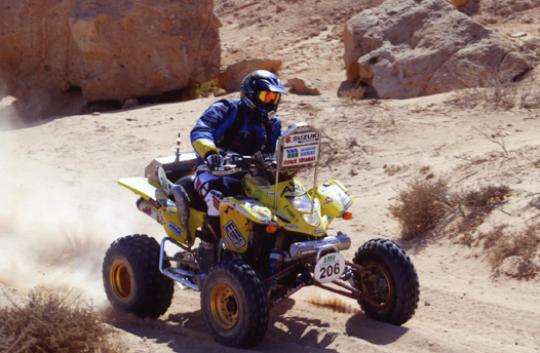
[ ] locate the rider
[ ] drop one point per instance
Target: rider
(245, 126)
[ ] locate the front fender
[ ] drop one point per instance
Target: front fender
(237, 218)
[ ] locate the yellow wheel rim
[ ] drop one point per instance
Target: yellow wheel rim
(121, 279)
(224, 304)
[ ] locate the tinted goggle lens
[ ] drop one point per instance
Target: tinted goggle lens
(267, 97)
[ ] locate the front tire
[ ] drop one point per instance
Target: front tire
(235, 304)
(389, 279)
(132, 279)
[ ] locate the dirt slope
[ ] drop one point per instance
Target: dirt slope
(61, 208)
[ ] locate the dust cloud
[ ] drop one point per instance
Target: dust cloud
(54, 228)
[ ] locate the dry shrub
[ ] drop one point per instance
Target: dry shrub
(500, 245)
(476, 205)
(421, 207)
(427, 202)
(498, 96)
(50, 322)
(334, 304)
(207, 89)
(487, 198)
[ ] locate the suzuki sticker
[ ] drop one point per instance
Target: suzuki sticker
(306, 138)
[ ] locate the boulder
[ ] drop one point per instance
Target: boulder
(231, 77)
(109, 50)
(302, 86)
(410, 48)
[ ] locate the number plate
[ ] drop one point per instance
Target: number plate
(329, 267)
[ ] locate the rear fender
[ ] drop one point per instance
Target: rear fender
(145, 188)
(156, 204)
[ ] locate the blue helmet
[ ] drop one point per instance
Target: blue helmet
(261, 91)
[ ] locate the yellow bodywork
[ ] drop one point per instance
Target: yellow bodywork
(298, 210)
(331, 198)
(165, 209)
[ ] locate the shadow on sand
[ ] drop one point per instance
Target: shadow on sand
(375, 332)
(187, 330)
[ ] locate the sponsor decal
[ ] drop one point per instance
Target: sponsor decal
(234, 236)
(308, 151)
(292, 153)
(300, 155)
(154, 203)
(175, 228)
(305, 138)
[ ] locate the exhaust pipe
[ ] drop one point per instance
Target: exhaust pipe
(341, 241)
(149, 209)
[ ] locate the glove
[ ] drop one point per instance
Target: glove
(214, 161)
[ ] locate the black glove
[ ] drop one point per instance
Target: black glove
(214, 161)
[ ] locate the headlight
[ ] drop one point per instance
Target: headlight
(302, 203)
(311, 210)
(313, 219)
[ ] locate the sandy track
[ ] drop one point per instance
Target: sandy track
(449, 323)
(462, 307)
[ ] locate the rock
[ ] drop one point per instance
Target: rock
(301, 86)
(232, 76)
(515, 266)
(111, 50)
(350, 90)
(408, 48)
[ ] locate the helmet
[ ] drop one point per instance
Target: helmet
(261, 91)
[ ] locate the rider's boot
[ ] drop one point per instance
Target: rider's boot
(206, 252)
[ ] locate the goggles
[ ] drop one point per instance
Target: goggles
(268, 97)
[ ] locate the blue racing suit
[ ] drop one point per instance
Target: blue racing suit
(229, 125)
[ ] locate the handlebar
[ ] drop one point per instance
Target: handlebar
(235, 163)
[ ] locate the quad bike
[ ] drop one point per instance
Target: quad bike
(273, 240)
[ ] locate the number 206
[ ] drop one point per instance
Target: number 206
(329, 270)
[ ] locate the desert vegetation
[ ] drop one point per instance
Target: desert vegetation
(47, 321)
(427, 208)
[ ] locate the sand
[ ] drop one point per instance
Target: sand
(61, 207)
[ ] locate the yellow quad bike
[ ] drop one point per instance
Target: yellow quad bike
(273, 241)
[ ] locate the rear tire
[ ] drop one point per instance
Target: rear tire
(132, 279)
(235, 305)
(391, 282)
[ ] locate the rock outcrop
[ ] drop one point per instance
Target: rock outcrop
(110, 50)
(302, 86)
(231, 77)
(409, 48)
